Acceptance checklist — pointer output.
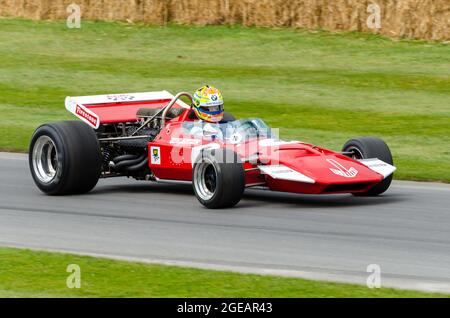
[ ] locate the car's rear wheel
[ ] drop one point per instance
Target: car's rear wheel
(218, 178)
(65, 158)
(370, 147)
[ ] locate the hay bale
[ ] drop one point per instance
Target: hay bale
(423, 19)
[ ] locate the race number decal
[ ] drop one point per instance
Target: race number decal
(155, 156)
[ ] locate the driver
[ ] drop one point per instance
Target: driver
(207, 104)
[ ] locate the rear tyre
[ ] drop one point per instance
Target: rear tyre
(65, 158)
(370, 147)
(218, 178)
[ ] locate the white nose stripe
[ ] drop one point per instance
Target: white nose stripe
(340, 170)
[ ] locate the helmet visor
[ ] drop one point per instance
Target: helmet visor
(211, 110)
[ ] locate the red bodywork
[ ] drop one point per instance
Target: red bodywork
(310, 160)
(330, 171)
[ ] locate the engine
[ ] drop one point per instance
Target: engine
(124, 149)
(124, 145)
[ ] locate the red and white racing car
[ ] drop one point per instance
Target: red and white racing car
(156, 136)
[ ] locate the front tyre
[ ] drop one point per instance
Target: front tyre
(370, 147)
(218, 178)
(65, 158)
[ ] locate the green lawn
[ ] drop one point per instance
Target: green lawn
(25, 273)
(315, 86)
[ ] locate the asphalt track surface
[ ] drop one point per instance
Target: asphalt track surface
(406, 232)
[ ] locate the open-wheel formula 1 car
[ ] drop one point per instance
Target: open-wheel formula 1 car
(155, 136)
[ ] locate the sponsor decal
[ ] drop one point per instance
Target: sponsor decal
(282, 170)
(120, 97)
(84, 114)
(274, 142)
(340, 170)
(377, 165)
(213, 103)
(155, 157)
(184, 141)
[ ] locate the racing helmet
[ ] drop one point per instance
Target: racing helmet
(208, 104)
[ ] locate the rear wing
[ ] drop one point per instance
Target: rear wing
(113, 108)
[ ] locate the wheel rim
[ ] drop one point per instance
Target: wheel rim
(355, 153)
(45, 159)
(205, 179)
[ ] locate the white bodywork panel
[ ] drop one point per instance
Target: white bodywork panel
(126, 97)
(76, 104)
(285, 173)
(378, 166)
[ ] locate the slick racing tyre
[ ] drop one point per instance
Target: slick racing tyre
(65, 158)
(218, 178)
(370, 147)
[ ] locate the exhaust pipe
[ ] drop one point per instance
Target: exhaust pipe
(124, 157)
(130, 162)
(137, 167)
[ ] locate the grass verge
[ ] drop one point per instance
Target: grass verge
(25, 273)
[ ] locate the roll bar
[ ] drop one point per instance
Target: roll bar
(172, 102)
(163, 111)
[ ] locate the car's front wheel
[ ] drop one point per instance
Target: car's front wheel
(218, 178)
(370, 147)
(65, 158)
